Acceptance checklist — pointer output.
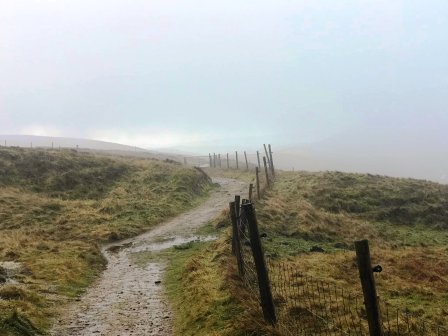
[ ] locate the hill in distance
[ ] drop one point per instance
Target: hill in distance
(46, 141)
(35, 141)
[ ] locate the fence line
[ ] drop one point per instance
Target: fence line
(231, 160)
(266, 169)
(304, 305)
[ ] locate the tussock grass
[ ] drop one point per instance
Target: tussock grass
(404, 219)
(58, 207)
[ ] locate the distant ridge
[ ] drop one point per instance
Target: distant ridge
(56, 142)
(104, 147)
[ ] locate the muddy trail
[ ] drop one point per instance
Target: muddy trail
(128, 299)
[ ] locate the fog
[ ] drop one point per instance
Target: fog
(347, 85)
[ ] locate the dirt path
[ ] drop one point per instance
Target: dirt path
(128, 299)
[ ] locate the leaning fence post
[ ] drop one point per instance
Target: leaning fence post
(258, 159)
(272, 162)
(368, 288)
(267, 302)
(245, 157)
(267, 154)
(258, 182)
(266, 172)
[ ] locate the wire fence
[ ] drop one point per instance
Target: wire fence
(298, 304)
(398, 321)
(249, 275)
(262, 165)
(310, 306)
(240, 160)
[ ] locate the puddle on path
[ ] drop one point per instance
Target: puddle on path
(128, 299)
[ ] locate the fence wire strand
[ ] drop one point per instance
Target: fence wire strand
(403, 322)
(309, 306)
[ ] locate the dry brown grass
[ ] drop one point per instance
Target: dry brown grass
(208, 297)
(56, 233)
(413, 253)
(405, 221)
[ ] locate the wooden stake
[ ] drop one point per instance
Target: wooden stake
(267, 154)
(251, 186)
(368, 288)
(266, 172)
(267, 302)
(258, 182)
(272, 162)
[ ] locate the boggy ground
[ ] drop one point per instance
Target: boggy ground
(128, 298)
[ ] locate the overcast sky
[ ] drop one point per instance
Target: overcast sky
(156, 73)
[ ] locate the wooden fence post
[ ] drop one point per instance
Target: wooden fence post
(267, 154)
(251, 187)
(219, 160)
(228, 161)
(236, 239)
(214, 160)
(234, 224)
(236, 155)
(266, 172)
(237, 208)
(210, 159)
(258, 159)
(267, 302)
(368, 288)
(258, 182)
(272, 162)
(245, 157)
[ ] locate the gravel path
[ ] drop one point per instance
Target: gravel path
(128, 299)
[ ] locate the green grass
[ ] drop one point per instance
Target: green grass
(205, 295)
(55, 215)
(211, 309)
(379, 198)
(64, 174)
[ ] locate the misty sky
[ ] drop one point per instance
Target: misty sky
(181, 73)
